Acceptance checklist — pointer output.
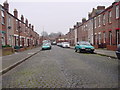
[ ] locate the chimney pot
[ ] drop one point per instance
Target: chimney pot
(6, 5)
(16, 13)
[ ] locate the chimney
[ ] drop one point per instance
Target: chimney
(22, 18)
(100, 7)
(29, 25)
(78, 23)
(16, 13)
(70, 29)
(32, 27)
(6, 6)
(83, 20)
(75, 26)
(89, 15)
(26, 22)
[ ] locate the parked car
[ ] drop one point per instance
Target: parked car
(54, 43)
(59, 44)
(65, 44)
(118, 51)
(46, 46)
(84, 46)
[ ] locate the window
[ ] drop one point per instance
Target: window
(3, 17)
(95, 22)
(99, 38)
(103, 19)
(104, 37)
(17, 25)
(117, 37)
(99, 21)
(117, 11)
(110, 37)
(3, 39)
(109, 16)
(9, 21)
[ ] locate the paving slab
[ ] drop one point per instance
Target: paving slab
(105, 52)
(16, 57)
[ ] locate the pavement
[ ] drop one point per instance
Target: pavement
(11, 61)
(104, 52)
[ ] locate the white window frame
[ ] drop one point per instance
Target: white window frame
(99, 21)
(9, 21)
(110, 37)
(117, 11)
(95, 22)
(16, 24)
(117, 36)
(104, 19)
(110, 17)
(3, 16)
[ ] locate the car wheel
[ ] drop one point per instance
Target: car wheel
(75, 50)
(92, 52)
(79, 51)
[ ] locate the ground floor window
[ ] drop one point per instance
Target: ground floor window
(110, 37)
(117, 37)
(99, 38)
(3, 39)
(16, 40)
(104, 37)
(96, 39)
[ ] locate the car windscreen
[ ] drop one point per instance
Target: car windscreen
(65, 42)
(46, 44)
(84, 43)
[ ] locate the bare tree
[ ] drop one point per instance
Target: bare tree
(44, 33)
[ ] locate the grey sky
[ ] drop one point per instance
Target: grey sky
(55, 16)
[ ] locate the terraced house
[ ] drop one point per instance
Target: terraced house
(16, 32)
(102, 29)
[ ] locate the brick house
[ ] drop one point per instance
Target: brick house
(102, 29)
(14, 31)
(3, 16)
(106, 27)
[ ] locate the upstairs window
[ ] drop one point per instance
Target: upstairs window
(9, 21)
(109, 16)
(16, 25)
(95, 22)
(103, 19)
(99, 21)
(3, 17)
(117, 11)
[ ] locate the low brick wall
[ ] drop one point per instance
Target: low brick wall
(112, 47)
(7, 51)
(96, 46)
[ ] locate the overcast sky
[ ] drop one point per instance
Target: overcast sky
(55, 15)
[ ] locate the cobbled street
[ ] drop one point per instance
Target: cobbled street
(63, 68)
